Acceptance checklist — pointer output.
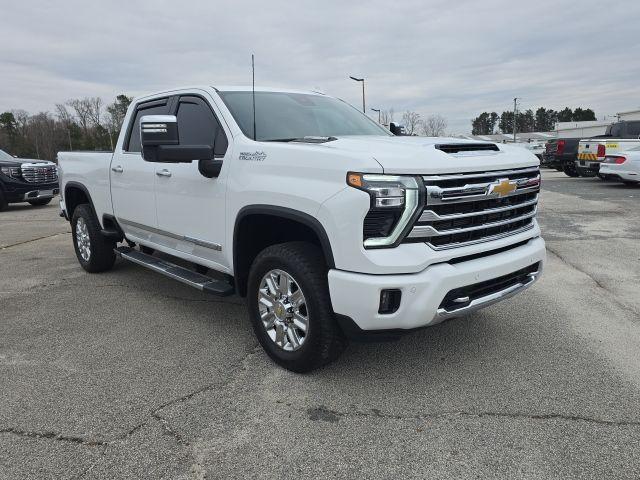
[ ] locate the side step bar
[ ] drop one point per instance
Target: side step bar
(171, 270)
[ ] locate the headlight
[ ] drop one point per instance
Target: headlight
(394, 202)
(13, 172)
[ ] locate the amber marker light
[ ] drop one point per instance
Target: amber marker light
(354, 179)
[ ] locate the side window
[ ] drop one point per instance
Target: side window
(197, 125)
(616, 130)
(151, 108)
(633, 129)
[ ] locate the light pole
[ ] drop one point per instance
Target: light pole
(364, 110)
(377, 110)
(515, 116)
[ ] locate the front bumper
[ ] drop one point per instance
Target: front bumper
(18, 191)
(357, 295)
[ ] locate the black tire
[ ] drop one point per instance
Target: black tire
(41, 202)
(324, 340)
(602, 177)
(101, 256)
(3, 201)
(570, 170)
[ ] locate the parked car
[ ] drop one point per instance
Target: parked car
(620, 136)
(328, 224)
(22, 180)
(624, 167)
(561, 154)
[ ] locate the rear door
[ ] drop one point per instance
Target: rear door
(190, 206)
(133, 179)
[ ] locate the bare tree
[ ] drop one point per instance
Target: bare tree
(386, 116)
(66, 119)
(411, 122)
(433, 126)
(82, 109)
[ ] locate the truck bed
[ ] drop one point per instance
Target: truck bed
(91, 171)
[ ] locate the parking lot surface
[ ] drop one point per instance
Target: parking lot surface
(128, 374)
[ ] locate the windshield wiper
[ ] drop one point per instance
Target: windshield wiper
(305, 139)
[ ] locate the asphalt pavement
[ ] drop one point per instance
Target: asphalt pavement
(127, 374)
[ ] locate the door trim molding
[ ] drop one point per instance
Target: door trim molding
(196, 241)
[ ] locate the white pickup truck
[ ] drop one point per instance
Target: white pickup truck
(330, 226)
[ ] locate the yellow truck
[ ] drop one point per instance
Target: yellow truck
(619, 137)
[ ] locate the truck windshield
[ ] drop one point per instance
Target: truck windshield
(284, 116)
(5, 156)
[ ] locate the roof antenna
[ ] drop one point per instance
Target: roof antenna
(253, 94)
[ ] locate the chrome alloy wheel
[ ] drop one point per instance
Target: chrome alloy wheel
(82, 239)
(283, 310)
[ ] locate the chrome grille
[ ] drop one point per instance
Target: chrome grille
(463, 209)
(40, 174)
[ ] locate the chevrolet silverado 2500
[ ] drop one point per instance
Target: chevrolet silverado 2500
(328, 224)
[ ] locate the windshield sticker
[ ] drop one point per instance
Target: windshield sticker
(253, 156)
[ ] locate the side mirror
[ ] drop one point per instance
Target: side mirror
(158, 130)
(396, 129)
(161, 143)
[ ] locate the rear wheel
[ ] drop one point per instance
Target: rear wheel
(95, 253)
(3, 201)
(570, 170)
(290, 307)
(40, 202)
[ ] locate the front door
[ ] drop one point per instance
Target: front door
(190, 206)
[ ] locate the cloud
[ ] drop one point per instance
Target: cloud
(455, 59)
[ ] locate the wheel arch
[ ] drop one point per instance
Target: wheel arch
(76, 194)
(278, 225)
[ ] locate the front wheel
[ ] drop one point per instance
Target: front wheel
(95, 253)
(290, 307)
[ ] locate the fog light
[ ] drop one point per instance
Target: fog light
(389, 301)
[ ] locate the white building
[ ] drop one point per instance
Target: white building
(581, 129)
(630, 115)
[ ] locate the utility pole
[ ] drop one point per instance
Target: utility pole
(515, 116)
(364, 110)
(377, 110)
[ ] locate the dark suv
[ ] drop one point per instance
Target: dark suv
(22, 180)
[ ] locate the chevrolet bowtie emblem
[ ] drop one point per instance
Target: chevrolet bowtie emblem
(503, 187)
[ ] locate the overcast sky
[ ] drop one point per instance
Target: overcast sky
(453, 58)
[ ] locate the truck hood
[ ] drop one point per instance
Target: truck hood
(14, 162)
(419, 155)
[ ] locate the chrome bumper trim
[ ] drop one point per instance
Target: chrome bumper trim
(38, 195)
(487, 300)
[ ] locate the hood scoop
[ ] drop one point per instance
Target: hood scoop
(467, 147)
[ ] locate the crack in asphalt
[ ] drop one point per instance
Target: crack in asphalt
(612, 295)
(4, 247)
(155, 413)
(53, 436)
(326, 414)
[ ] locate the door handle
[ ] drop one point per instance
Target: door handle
(117, 169)
(163, 173)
